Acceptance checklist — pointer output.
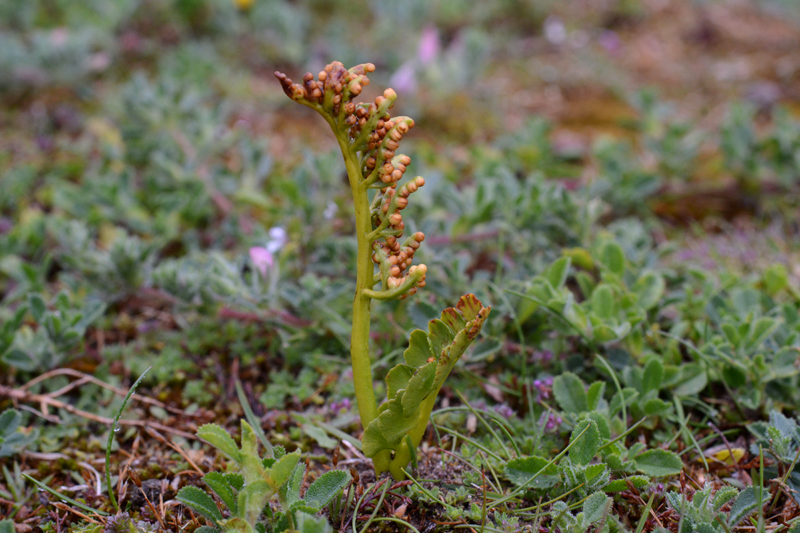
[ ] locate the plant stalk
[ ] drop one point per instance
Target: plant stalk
(403, 455)
(359, 336)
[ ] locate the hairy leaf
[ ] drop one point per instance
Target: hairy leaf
(309, 524)
(252, 500)
(585, 441)
(745, 504)
(222, 488)
(658, 463)
(521, 470)
(325, 488)
(595, 508)
(220, 439)
(199, 502)
(570, 394)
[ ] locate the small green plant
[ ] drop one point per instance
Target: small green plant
(780, 439)
(594, 514)
(369, 138)
(246, 492)
(12, 441)
(59, 331)
(704, 511)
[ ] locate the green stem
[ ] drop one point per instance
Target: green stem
(392, 294)
(403, 454)
(359, 337)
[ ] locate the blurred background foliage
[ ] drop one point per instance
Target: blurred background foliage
(146, 151)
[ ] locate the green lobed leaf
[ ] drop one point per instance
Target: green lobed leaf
(249, 440)
(453, 319)
(585, 441)
(394, 424)
(597, 475)
(401, 413)
(418, 351)
(419, 387)
(200, 502)
(760, 331)
(326, 487)
(220, 439)
(471, 308)
(397, 379)
(373, 440)
(439, 336)
(658, 463)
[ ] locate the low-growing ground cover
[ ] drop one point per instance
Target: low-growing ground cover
(169, 218)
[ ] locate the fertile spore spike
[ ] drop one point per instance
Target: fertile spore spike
(369, 138)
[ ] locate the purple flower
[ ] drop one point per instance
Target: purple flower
(262, 256)
(405, 78)
(341, 407)
(262, 259)
(550, 421)
(610, 41)
(428, 47)
(543, 387)
(504, 410)
(543, 356)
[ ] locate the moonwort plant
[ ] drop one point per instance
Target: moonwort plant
(369, 138)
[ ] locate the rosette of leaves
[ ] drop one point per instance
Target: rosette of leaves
(412, 387)
(576, 472)
(780, 439)
(11, 439)
(704, 512)
(246, 493)
(61, 327)
(593, 514)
